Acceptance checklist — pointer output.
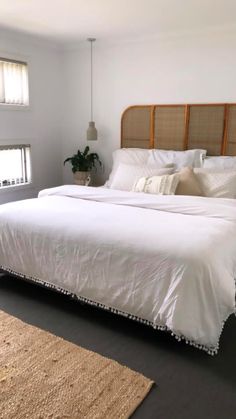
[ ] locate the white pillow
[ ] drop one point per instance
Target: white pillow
(220, 162)
(160, 185)
(190, 158)
(127, 174)
(217, 184)
(128, 156)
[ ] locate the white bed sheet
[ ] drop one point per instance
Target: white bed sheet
(168, 260)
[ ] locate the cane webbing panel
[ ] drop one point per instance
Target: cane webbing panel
(231, 132)
(136, 128)
(169, 126)
(207, 126)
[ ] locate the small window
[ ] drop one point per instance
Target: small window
(14, 88)
(15, 166)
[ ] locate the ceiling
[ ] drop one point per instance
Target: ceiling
(75, 20)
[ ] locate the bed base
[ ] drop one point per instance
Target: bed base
(210, 350)
(3, 270)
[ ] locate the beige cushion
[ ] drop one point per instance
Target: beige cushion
(160, 185)
(188, 183)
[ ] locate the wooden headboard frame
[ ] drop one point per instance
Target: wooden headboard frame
(181, 127)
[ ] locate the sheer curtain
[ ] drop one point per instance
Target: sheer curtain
(13, 83)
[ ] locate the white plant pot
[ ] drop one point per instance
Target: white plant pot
(82, 178)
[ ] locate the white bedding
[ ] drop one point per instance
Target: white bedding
(167, 260)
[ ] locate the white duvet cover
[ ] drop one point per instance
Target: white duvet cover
(169, 261)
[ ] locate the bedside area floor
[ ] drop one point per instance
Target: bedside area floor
(189, 383)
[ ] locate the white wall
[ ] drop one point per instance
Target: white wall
(41, 125)
(197, 67)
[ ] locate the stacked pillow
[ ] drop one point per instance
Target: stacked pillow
(149, 162)
(217, 177)
(191, 182)
(217, 183)
(137, 156)
(152, 171)
(220, 162)
(127, 174)
(190, 158)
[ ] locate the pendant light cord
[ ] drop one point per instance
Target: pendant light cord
(91, 71)
(91, 131)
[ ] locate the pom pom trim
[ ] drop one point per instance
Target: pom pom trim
(210, 350)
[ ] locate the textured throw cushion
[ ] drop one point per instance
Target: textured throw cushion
(220, 163)
(128, 156)
(217, 184)
(188, 183)
(191, 158)
(127, 174)
(160, 185)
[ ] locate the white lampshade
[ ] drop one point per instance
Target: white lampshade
(92, 133)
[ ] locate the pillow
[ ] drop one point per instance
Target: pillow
(160, 185)
(128, 156)
(188, 183)
(127, 174)
(192, 158)
(220, 162)
(217, 184)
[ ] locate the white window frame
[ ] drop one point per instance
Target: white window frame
(20, 186)
(11, 56)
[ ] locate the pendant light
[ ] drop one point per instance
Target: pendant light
(91, 131)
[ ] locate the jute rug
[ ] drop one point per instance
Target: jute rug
(45, 377)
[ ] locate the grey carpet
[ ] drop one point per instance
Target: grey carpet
(191, 384)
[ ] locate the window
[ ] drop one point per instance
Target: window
(15, 167)
(13, 83)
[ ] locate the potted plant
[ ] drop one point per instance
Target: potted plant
(82, 164)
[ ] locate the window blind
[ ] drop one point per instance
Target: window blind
(15, 167)
(13, 82)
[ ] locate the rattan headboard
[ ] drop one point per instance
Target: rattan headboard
(180, 127)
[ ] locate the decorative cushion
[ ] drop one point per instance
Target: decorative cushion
(188, 183)
(217, 184)
(160, 185)
(127, 174)
(191, 158)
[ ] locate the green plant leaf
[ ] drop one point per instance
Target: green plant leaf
(84, 162)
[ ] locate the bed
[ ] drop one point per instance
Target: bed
(167, 261)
